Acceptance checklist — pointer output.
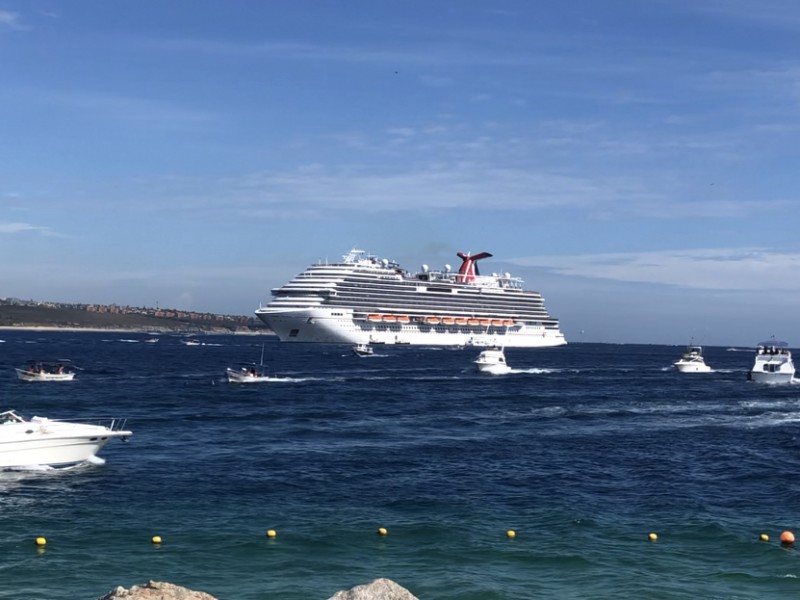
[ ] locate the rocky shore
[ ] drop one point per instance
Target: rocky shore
(380, 589)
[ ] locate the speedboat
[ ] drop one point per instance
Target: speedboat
(492, 361)
(692, 361)
(773, 363)
(46, 371)
(50, 442)
(249, 372)
(363, 350)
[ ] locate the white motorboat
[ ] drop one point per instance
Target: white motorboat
(692, 361)
(492, 361)
(249, 372)
(363, 350)
(50, 442)
(773, 363)
(46, 371)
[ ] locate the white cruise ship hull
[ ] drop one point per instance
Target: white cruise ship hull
(342, 326)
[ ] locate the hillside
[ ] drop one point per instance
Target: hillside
(26, 316)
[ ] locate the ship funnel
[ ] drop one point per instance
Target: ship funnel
(469, 265)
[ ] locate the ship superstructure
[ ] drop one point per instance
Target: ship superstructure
(367, 300)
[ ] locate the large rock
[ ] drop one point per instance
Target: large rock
(156, 590)
(380, 589)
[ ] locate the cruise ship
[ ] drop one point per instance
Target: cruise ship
(368, 300)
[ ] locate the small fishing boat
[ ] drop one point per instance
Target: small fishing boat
(47, 371)
(249, 372)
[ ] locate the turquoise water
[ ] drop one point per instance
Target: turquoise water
(582, 451)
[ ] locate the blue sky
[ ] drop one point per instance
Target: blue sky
(635, 161)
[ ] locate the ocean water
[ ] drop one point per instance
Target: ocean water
(582, 451)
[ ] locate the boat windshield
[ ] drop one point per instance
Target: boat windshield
(10, 416)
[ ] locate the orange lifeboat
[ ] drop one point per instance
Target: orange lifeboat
(448, 320)
(473, 322)
(461, 321)
(373, 318)
(497, 322)
(486, 321)
(432, 320)
(508, 322)
(403, 319)
(389, 318)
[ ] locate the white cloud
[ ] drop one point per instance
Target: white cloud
(115, 107)
(140, 110)
(9, 228)
(780, 14)
(10, 20)
(746, 269)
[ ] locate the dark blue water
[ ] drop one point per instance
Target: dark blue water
(582, 451)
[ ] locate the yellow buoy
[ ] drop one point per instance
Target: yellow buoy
(787, 537)
(382, 531)
(764, 537)
(271, 533)
(40, 541)
(156, 539)
(511, 534)
(652, 537)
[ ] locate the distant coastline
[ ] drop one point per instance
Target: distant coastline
(262, 331)
(48, 316)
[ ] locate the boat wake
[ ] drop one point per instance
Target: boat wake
(30, 468)
(92, 460)
(277, 379)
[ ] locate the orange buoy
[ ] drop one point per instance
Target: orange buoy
(787, 537)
